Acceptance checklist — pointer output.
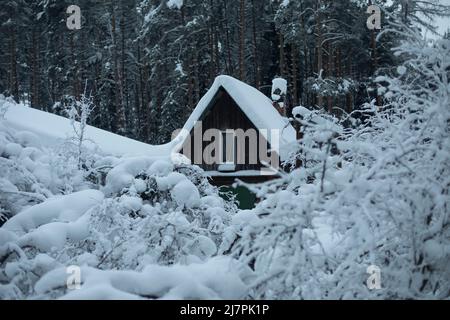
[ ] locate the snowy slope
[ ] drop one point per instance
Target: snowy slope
(53, 129)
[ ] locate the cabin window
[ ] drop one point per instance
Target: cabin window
(229, 151)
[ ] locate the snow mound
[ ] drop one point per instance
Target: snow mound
(63, 208)
(123, 174)
(185, 193)
(52, 130)
(217, 278)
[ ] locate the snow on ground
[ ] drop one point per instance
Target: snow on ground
(62, 208)
(139, 224)
(217, 278)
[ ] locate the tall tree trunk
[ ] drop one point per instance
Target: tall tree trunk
(123, 75)
(319, 47)
(229, 68)
(338, 63)
(330, 74)
(375, 62)
(213, 46)
(13, 80)
(282, 55)
(76, 91)
(405, 7)
(119, 118)
(294, 73)
(305, 74)
(242, 40)
(143, 106)
(35, 69)
(216, 49)
(196, 77)
(256, 66)
(349, 98)
(190, 73)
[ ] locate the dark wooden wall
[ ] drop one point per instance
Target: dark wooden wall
(223, 113)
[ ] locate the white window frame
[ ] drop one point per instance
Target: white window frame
(224, 147)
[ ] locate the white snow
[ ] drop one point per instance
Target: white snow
(140, 185)
(179, 68)
(6, 236)
(241, 173)
(62, 208)
(227, 167)
(401, 70)
(284, 3)
(52, 130)
(131, 203)
(185, 193)
(54, 235)
(175, 4)
(161, 168)
(123, 174)
(177, 227)
(202, 247)
(244, 218)
(13, 149)
(279, 85)
(166, 183)
(218, 278)
(300, 112)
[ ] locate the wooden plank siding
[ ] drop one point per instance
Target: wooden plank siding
(223, 113)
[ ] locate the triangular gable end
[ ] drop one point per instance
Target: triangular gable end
(255, 105)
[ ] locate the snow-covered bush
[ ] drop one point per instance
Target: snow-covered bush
(286, 238)
(79, 113)
(177, 216)
(366, 194)
(31, 173)
(381, 198)
(5, 104)
(149, 212)
(331, 86)
(159, 218)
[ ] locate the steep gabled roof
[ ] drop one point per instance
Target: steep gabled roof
(255, 105)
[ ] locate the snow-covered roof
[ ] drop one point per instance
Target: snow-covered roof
(53, 129)
(256, 106)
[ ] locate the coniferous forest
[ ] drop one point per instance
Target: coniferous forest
(344, 194)
(148, 62)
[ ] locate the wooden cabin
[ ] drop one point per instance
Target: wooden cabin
(220, 134)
